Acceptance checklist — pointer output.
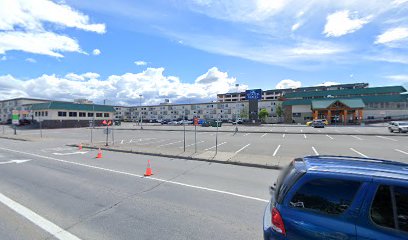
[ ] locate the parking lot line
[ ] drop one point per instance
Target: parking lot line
(357, 138)
(283, 135)
(215, 146)
(314, 150)
(304, 135)
(319, 130)
(391, 139)
(121, 142)
(246, 134)
(363, 155)
(276, 151)
(169, 144)
(329, 137)
(192, 144)
(301, 130)
(401, 151)
(263, 135)
(242, 148)
(162, 140)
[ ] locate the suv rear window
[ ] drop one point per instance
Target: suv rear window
(387, 200)
(329, 196)
(285, 181)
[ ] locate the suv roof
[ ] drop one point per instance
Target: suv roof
(369, 167)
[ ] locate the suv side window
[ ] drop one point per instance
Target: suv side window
(401, 200)
(387, 201)
(329, 196)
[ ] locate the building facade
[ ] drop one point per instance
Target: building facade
(7, 106)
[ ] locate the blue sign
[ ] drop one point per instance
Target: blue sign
(255, 94)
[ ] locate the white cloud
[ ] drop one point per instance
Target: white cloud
(96, 52)
(328, 84)
(401, 78)
(3, 58)
(288, 83)
(295, 26)
(25, 26)
(341, 23)
(392, 35)
(46, 43)
(123, 89)
(31, 60)
(140, 63)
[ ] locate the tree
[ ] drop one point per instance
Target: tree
(263, 114)
(279, 110)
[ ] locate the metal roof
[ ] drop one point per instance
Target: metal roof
(345, 92)
(369, 167)
(351, 103)
(366, 99)
(72, 106)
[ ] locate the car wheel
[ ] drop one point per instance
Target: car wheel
(399, 130)
(389, 129)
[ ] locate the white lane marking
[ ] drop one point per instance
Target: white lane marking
(135, 175)
(315, 151)
(215, 146)
(16, 161)
(242, 148)
(169, 144)
(154, 142)
(329, 137)
(246, 134)
(319, 130)
(304, 135)
(41, 222)
(363, 155)
(192, 144)
(387, 138)
(276, 151)
(283, 135)
(301, 130)
(271, 130)
(401, 151)
(264, 135)
(70, 153)
(121, 142)
(357, 137)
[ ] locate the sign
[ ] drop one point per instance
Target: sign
(196, 121)
(109, 122)
(255, 94)
(15, 117)
(104, 122)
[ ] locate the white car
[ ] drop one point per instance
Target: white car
(401, 127)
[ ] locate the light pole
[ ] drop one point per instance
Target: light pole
(237, 109)
(184, 127)
(140, 113)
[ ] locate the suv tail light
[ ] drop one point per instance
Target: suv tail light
(277, 222)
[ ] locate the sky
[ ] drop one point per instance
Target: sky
(190, 50)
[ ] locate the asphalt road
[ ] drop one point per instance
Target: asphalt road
(109, 198)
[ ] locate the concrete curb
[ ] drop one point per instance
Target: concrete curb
(277, 132)
(16, 139)
(184, 157)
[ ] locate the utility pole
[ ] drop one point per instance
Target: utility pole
(140, 113)
(184, 126)
(237, 109)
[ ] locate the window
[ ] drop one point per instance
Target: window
(46, 113)
(90, 114)
(98, 114)
(73, 114)
(36, 114)
(62, 114)
(82, 114)
(381, 209)
(42, 114)
(401, 200)
(330, 196)
(296, 115)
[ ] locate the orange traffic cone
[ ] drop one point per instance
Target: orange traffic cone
(99, 153)
(80, 146)
(148, 169)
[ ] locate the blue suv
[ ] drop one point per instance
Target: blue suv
(332, 197)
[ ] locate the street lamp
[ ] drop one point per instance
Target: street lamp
(140, 113)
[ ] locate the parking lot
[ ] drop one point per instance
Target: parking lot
(272, 145)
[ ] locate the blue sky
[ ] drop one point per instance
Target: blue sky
(189, 51)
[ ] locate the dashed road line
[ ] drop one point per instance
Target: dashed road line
(276, 151)
(361, 154)
(391, 139)
(41, 222)
(264, 135)
(242, 148)
(215, 146)
(315, 151)
(329, 137)
(401, 151)
(138, 176)
(169, 144)
(357, 137)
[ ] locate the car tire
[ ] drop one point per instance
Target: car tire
(399, 130)
(391, 131)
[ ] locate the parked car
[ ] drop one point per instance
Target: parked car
(164, 122)
(401, 127)
(333, 197)
(317, 124)
(238, 121)
(309, 123)
(23, 122)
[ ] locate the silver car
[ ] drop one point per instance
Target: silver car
(401, 127)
